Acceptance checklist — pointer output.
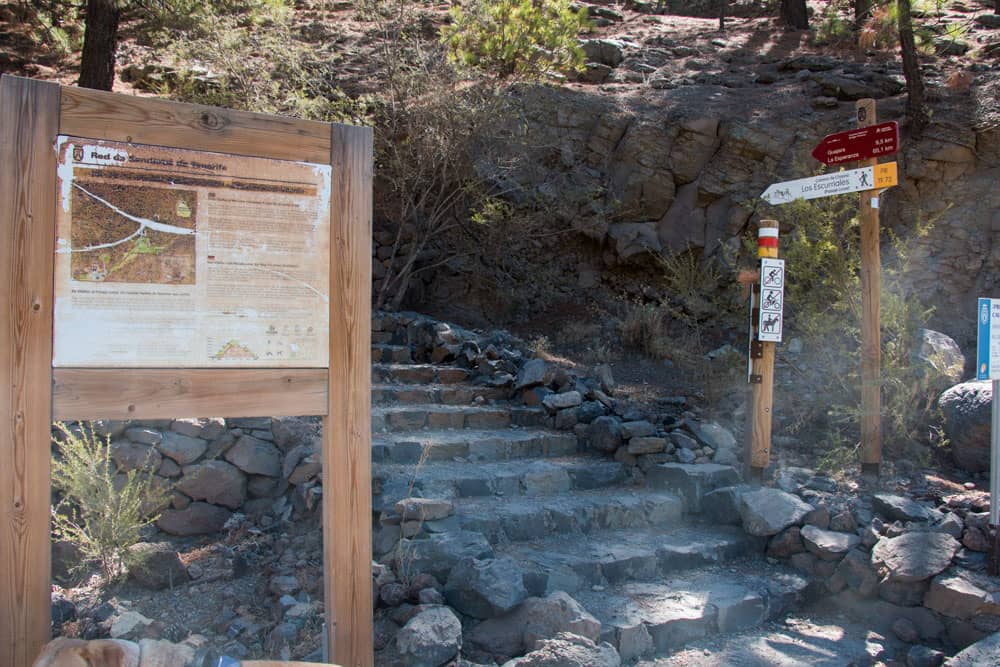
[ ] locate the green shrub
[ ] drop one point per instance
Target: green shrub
(516, 38)
(101, 511)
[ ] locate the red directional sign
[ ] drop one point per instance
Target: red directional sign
(863, 143)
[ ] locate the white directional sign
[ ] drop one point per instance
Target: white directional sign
(772, 300)
(826, 185)
(988, 340)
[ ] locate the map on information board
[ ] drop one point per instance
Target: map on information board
(176, 258)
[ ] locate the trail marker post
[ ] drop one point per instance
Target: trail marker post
(867, 144)
(112, 204)
(988, 368)
(871, 315)
(767, 286)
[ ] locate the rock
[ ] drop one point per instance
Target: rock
(255, 456)
(712, 434)
(786, 543)
(843, 522)
(974, 539)
(913, 556)
(637, 429)
(635, 240)
(903, 593)
(129, 624)
(905, 630)
(856, 572)
(163, 652)
(485, 588)
(605, 434)
(424, 509)
(196, 519)
(143, 435)
(722, 506)
(901, 508)
(569, 399)
(216, 482)
(686, 456)
(156, 565)
(393, 594)
(129, 455)
(307, 469)
(646, 445)
(940, 362)
(535, 619)
(767, 512)
(956, 596)
(989, 21)
(951, 524)
(924, 656)
(181, 448)
(283, 584)
(290, 432)
(437, 554)
(828, 544)
(967, 409)
(608, 52)
(984, 652)
(431, 638)
(62, 610)
(589, 411)
(568, 650)
(818, 518)
(604, 375)
(682, 440)
(206, 429)
(534, 372)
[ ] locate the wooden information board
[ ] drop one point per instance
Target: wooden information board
(230, 275)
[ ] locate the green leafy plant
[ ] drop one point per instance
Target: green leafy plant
(101, 511)
(516, 38)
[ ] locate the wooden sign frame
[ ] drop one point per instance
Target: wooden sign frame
(33, 394)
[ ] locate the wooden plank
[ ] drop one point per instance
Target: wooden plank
(30, 113)
(100, 115)
(347, 497)
(156, 393)
(871, 315)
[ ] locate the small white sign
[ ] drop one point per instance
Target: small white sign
(988, 340)
(772, 300)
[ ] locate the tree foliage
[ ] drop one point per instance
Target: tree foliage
(517, 38)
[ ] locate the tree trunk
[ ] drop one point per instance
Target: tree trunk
(862, 12)
(100, 44)
(916, 105)
(794, 14)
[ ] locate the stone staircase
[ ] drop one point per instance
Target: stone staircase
(635, 554)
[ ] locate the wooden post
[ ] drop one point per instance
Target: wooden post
(347, 495)
(762, 395)
(871, 281)
(30, 113)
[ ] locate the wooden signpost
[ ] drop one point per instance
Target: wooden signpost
(195, 180)
(865, 144)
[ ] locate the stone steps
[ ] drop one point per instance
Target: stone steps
(526, 518)
(391, 354)
(507, 479)
(445, 394)
(383, 373)
(612, 556)
(471, 445)
(640, 618)
(416, 417)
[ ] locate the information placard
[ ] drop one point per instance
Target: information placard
(988, 340)
(176, 258)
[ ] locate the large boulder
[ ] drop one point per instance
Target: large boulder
(610, 52)
(535, 619)
(605, 434)
(913, 557)
(196, 519)
(767, 512)
(255, 457)
(568, 650)
(901, 508)
(485, 588)
(437, 554)
(216, 482)
(967, 409)
(431, 638)
(940, 361)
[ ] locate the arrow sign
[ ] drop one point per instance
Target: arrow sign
(864, 143)
(827, 185)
